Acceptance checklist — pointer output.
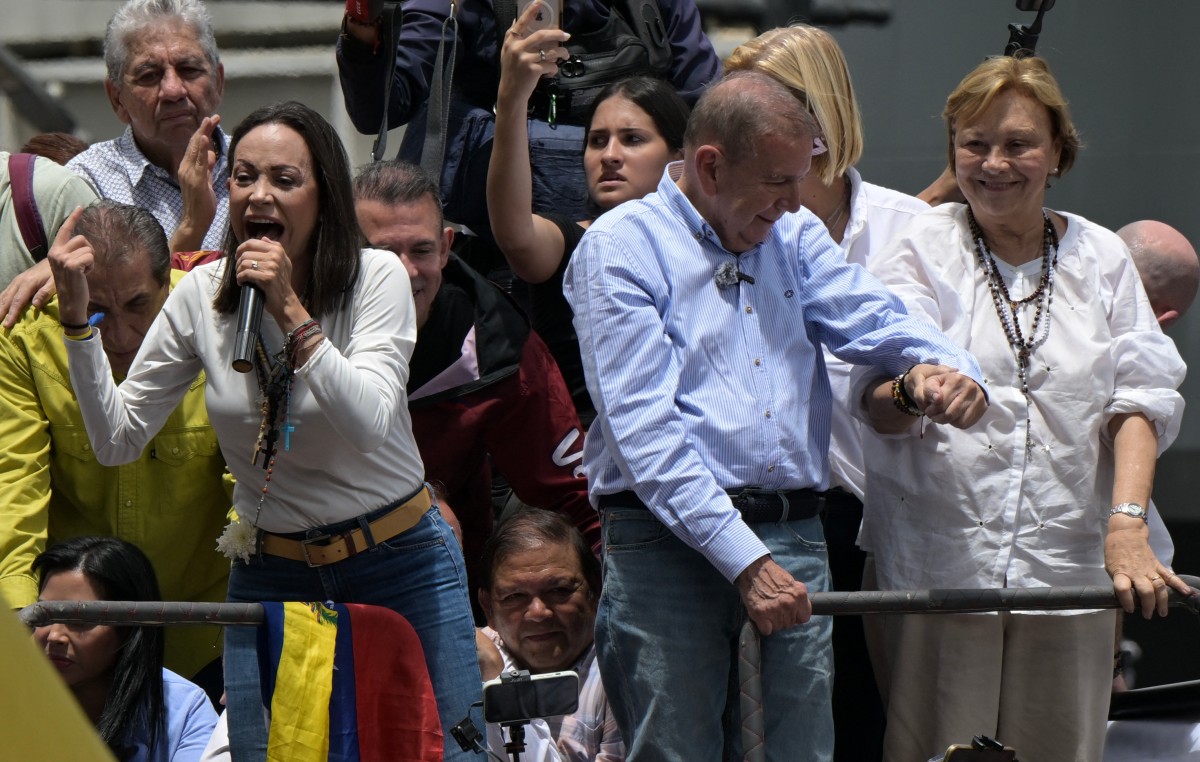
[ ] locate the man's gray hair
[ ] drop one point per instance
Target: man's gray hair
(742, 107)
(118, 232)
(135, 15)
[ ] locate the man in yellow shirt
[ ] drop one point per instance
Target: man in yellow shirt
(172, 502)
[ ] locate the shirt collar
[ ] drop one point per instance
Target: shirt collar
(674, 196)
(136, 163)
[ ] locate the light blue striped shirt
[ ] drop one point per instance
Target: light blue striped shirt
(121, 172)
(701, 388)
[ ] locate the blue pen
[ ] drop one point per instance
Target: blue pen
(95, 319)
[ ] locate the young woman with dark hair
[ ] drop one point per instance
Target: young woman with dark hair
(141, 710)
(635, 128)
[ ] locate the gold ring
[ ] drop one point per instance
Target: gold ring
(254, 264)
(1155, 578)
(542, 55)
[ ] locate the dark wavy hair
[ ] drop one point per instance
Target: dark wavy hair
(337, 252)
(120, 572)
(528, 529)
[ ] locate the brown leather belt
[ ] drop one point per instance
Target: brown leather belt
(331, 548)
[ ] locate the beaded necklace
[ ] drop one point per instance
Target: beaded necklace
(275, 390)
(1008, 309)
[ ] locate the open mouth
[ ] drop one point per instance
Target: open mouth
(262, 227)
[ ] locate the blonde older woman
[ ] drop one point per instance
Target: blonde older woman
(1049, 487)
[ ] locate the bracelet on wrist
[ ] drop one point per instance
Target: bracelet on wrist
(900, 398)
(75, 326)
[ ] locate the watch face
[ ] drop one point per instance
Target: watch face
(1131, 509)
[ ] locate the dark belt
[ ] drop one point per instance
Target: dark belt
(757, 506)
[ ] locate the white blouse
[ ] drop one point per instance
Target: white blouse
(877, 215)
(352, 449)
(948, 508)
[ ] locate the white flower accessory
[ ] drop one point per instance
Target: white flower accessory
(239, 540)
(725, 275)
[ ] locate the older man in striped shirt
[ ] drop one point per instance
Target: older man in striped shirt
(701, 311)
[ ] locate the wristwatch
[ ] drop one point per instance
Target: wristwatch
(1129, 509)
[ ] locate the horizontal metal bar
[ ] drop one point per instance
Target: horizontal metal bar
(885, 602)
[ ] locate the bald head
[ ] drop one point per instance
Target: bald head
(1167, 264)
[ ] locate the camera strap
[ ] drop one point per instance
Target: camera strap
(433, 150)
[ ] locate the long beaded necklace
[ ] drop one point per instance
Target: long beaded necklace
(1008, 309)
(275, 388)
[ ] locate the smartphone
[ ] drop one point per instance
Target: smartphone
(548, 15)
(523, 698)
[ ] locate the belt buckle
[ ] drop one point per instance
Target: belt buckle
(784, 505)
(310, 541)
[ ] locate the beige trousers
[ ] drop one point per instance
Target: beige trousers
(1038, 683)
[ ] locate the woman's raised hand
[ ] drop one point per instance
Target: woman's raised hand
(527, 56)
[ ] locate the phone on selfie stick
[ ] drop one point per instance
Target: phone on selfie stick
(1022, 40)
(515, 698)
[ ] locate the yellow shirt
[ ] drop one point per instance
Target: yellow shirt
(171, 502)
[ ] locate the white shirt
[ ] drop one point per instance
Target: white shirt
(352, 449)
(876, 216)
(969, 509)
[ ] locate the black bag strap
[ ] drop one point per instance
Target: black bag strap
(387, 43)
(29, 219)
(437, 120)
(506, 14)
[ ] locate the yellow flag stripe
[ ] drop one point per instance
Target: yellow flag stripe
(303, 684)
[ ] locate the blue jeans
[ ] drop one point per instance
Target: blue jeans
(666, 639)
(419, 573)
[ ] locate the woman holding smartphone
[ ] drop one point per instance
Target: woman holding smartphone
(635, 128)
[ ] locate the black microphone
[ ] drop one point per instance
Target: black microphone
(250, 309)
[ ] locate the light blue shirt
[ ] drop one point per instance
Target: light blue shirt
(701, 388)
(190, 722)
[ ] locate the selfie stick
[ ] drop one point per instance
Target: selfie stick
(516, 738)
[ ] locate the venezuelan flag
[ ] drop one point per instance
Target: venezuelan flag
(346, 683)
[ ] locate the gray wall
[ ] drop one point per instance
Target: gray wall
(1131, 71)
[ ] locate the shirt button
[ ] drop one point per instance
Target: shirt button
(980, 522)
(174, 450)
(757, 362)
(699, 235)
(86, 447)
(770, 469)
(128, 503)
(749, 310)
(768, 413)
